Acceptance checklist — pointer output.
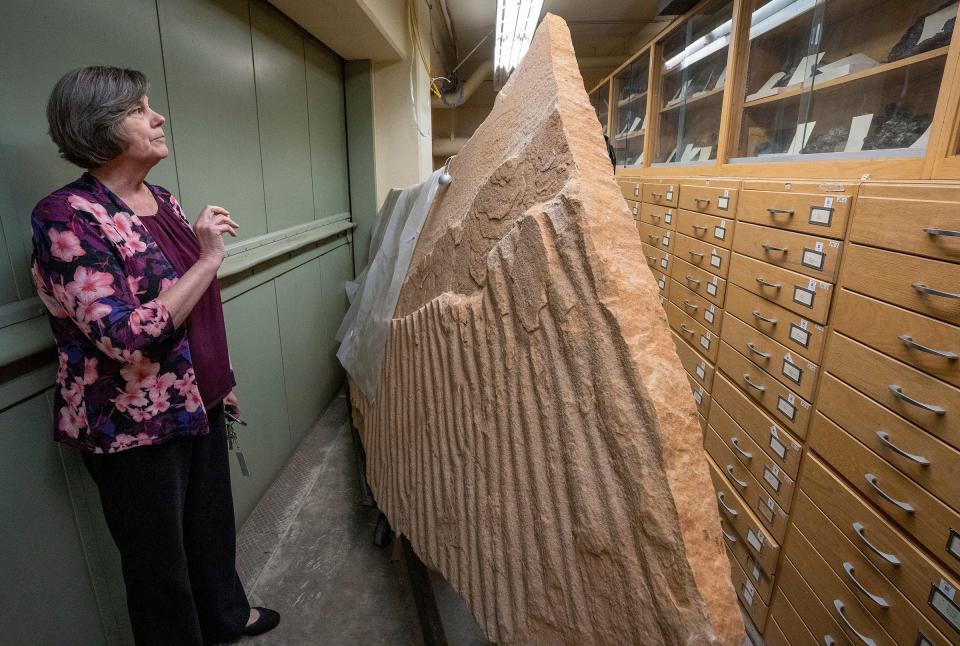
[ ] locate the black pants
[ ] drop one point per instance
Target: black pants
(170, 512)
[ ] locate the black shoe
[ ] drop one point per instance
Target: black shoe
(269, 619)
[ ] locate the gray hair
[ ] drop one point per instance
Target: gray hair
(86, 109)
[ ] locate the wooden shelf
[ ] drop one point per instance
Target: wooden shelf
(631, 135)
(696, 98)
(633, 99)
(849, 78)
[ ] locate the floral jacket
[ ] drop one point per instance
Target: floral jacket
(125, 375)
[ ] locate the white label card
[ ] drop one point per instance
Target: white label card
(785, 407)
(778, 447)
(945, 607)
(712, 289)
(715, 259)
(803, 296)
(821, 215)
(705, 341)
(947, 589)
(754, 568)
(701, 370)
(771, 478)
(670, 194)
(799, 335)
(723, 203)
(708, 315)
(755, 540)
(747, 590)
(813, 259)
(666, 239)
(698, 396)
(719, 232)
(668, 217)
(765, 512)
(953, 544)
(664, 261)
(661, 283)
(791, 371)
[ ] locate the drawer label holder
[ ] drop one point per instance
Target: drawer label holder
(943, 603)
(821, 216)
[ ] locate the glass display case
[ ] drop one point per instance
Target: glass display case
(692, 78)
(842, 79)
(600, 100)
(630, 112)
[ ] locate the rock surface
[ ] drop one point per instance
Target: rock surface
(534, 434)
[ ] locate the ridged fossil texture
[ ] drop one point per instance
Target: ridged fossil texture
(533, 433)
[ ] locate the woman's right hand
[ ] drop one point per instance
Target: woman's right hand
(210, 226)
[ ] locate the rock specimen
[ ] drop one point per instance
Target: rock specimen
(533, 433)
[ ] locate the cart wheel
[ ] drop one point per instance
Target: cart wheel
(382, 534)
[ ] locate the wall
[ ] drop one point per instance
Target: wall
(257, 123)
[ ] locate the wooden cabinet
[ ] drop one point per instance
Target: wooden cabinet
(801, 294)
(706, 228)
(803, 208)
(712, 196)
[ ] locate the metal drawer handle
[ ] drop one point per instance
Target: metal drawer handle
(730, 537)
(654, 216)
(942, 232)
(657, 195)
(757, 387)
(899, 394)
(787, 212)
(886, 556)
(697, 227)
(740, 483)
(923, 289)
(899, 504)
(652, 236)
(880, 601)
(841, 610)
(723, 502)
(919, 459)
(695, 254)
(690, 305)
(753, 350)
(652, 259)
(683, 326)
(736, 445)
(760, 317)
(767, 283)
(701, 200)
(693, 281)
(910, 343)
(769, 247)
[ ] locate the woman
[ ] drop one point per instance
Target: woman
(144, 374)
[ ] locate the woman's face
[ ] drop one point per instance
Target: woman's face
(146, 142)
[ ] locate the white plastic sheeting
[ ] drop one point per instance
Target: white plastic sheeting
(373, 295)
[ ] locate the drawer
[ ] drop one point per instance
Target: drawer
(878, 376)
(776, 442)
(815, 617)
(746, 526)
(905, 565)
(710, 286)
(662, 193)
(787, 367)
(776, 483)
(655, 236)
(703, 311)
(701, 397)
(930, 463)
(661, 216)
(842, 604)
(716, 197)
(748, 595)
(891, 277)
(761, 581)
(695, 365)
(773, 634)
(702, 421)
(634, 208)
(707, 228)
(692, 332)
(816, 214)
(787, 620)
(921, 515)
(801, 335)
(888, 606)
(798, 293)
(772, 515)
(629, 188)
(704, 255)
(810, 255)
(657, 259)
(781, 402)
(920, 341)
(663, 283)
(921, 227)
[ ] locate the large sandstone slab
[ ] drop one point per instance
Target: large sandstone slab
(533, 433)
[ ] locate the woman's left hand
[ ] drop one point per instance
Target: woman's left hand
(232, 404)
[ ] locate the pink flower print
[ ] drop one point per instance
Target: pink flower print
(88, 313)
(64, 245)
(90, 371)
(62, 368)
(105, 345)
(52, 304)
(159, 406)
(193, 401)
(158, 389)
(129, 399)
(125, 440)
(64, 297)
(153, 329)
(133, 282)
(140, 414)
(139, 372)
(97, 210)
(133, 245)
(167, 283)
(72, 421)
(89, 285)
(73, 394)
(124, 224)
(187, 383)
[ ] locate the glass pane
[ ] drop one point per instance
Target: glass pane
(630, 112)
(858, 77)
(601, 103)
(691, 87)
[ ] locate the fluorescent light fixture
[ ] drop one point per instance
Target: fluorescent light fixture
(516, 22)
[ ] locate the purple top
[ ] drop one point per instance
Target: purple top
(205, 327)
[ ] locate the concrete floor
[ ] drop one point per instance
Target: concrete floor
(307, 551)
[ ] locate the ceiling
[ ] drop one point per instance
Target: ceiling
(597, 27)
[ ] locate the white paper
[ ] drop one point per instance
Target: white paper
(924, 139)
(934, 23)
(767, 88)
(720, 79)
(846, 65)
(705, 153)
(805, 69)
(688, 153)
(859, 127)
(800, 138)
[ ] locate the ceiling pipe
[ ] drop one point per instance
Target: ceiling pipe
(485, 73)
